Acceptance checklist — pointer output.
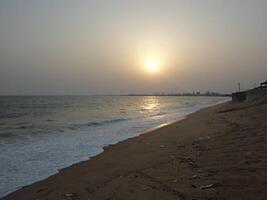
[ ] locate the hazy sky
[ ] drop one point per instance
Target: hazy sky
(101, 46)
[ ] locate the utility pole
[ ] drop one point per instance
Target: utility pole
(239, 87)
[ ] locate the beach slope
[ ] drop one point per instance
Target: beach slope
(216, 153)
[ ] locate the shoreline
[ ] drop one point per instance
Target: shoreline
(101, 150)
(146, 131)
(105, 148)
(110, 165)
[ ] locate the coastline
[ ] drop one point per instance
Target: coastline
(159, 164)
(82, 140)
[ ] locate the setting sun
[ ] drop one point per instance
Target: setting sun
(152, 66)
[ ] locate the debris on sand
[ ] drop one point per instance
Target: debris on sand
(194, 176)
(146, 188)
(69, 195)
(209, 186)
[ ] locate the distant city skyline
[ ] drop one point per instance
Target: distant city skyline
(94, 47)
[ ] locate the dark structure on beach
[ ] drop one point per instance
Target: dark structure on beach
(251, 95)
(264, 84)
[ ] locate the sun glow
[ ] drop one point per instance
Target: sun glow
(152, 66)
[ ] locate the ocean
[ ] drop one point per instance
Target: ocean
(41, 134)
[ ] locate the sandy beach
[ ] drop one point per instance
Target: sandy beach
(215, 153)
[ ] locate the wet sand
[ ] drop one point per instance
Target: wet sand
(216, 153)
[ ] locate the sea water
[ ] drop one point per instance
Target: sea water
(41, 134)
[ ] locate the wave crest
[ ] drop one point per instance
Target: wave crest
(95, 123)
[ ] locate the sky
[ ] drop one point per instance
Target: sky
(88, 47)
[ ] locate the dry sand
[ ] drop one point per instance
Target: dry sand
(216, 153)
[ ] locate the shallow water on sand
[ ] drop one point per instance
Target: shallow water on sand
(41, 134)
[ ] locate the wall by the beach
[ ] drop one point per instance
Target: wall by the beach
(249, 95)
